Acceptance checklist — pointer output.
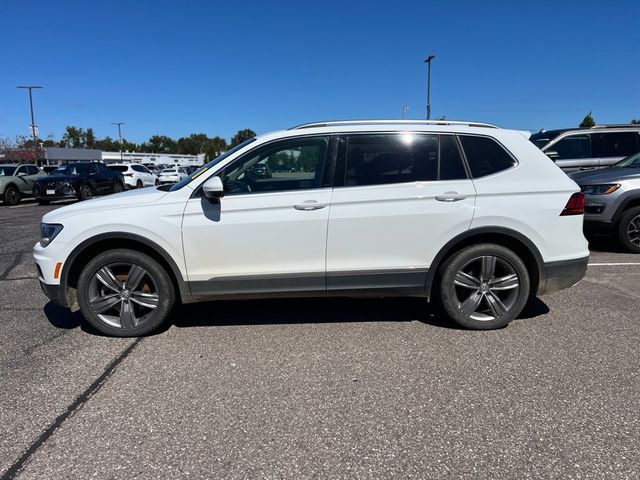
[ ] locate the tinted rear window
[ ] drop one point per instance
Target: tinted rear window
(616, 144)
(485, 156)
(118, 168)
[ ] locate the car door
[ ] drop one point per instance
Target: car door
(398, 199)
(33, 172)
(23, 179)
(573, 152)
(612, 146)
(265, 235)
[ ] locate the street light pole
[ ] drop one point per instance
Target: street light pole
(119, 124)
(33, 122)
(404, 111)
(428, 62)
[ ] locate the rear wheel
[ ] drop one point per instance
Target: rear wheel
(11, 195)
(139, 184)
(125, 293)
(85, 192)
(629, 230)
(484, 286)
(117, 187)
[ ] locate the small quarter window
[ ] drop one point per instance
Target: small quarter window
(485, 156)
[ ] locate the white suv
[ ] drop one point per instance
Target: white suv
(135, 175)
(468, 215)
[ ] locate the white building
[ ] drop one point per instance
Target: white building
(154, 158)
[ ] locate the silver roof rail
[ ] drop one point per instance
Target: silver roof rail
(392, 122)
(617, 125)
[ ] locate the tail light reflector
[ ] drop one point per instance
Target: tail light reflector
(575, 205)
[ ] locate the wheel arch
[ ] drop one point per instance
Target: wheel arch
(520, 244)
(629, 202)
(110, 241)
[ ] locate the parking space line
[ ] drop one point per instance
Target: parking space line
(613, 264)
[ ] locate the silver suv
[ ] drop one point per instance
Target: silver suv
(613, 200)
(579, 149)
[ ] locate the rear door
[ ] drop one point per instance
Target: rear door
(610, 147)
(399, 197)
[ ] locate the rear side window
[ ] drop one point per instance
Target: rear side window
(616, 144)
(485, 156)
(118, 168)
(401, 158)
(139, 168)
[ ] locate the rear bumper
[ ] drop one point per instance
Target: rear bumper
(55, 293)
(564, 274)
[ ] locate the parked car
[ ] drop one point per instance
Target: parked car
(260, 170)
(81, 180)
(16, 181)
(49, 169)
(135, 175)
(467, 215)
(172, 175)
(580, 149)
(613, 201)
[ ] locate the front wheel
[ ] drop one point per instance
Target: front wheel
(629, 230)
(85, 192)
(125, 293)
(11, 195)
(484, 286)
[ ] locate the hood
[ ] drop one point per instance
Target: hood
(604, 175)
(59, 178)
(132, 198)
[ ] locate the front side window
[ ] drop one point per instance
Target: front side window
(31, 170)
(616, 144)
(573, 146)
(400, 158)
(292, 164)
(485, 156)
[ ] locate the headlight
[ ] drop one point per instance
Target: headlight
(48, 232)
(600, 189)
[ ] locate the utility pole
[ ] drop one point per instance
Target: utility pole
(428, 62)
(33, 122)
(119, 124)
(404, 111)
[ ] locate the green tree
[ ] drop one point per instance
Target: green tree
(89, 138)
(193, 144)
(160, 144)
(588, 121)
(241, 136)
(73, 137)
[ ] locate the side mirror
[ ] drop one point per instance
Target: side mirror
(213, 189)
(553, 155)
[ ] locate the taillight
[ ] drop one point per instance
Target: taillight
(575, 205)
(128, 174)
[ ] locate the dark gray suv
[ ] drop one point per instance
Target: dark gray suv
(613, 200)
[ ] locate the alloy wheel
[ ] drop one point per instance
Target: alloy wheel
(633, 231)
(123, 295)
(486, 288)
(12, 196)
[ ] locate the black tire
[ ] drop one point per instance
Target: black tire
(145, 320)
(12, 195)
(43, 202)
(85, 192)
(139, 184)
(629, 230)
(497, 305)
(118, 187)
(157, 182)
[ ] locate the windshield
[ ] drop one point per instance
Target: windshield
(118, 168)
(7, 170)
(76, 169)
(632, 161)
(212, 163)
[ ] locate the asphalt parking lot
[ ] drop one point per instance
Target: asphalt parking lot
(321, 388)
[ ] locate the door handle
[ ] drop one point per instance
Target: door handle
(309, 206)
(450, 197)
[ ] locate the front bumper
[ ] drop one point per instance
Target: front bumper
(55, 293)
(61, 192)
(563, 274)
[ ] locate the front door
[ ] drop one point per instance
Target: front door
(268, 233)
(403, 196)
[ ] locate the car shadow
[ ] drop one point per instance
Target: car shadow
(324, 310)
(605, 243)
(293, 311)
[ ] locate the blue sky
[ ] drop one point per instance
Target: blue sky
(176, 68)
